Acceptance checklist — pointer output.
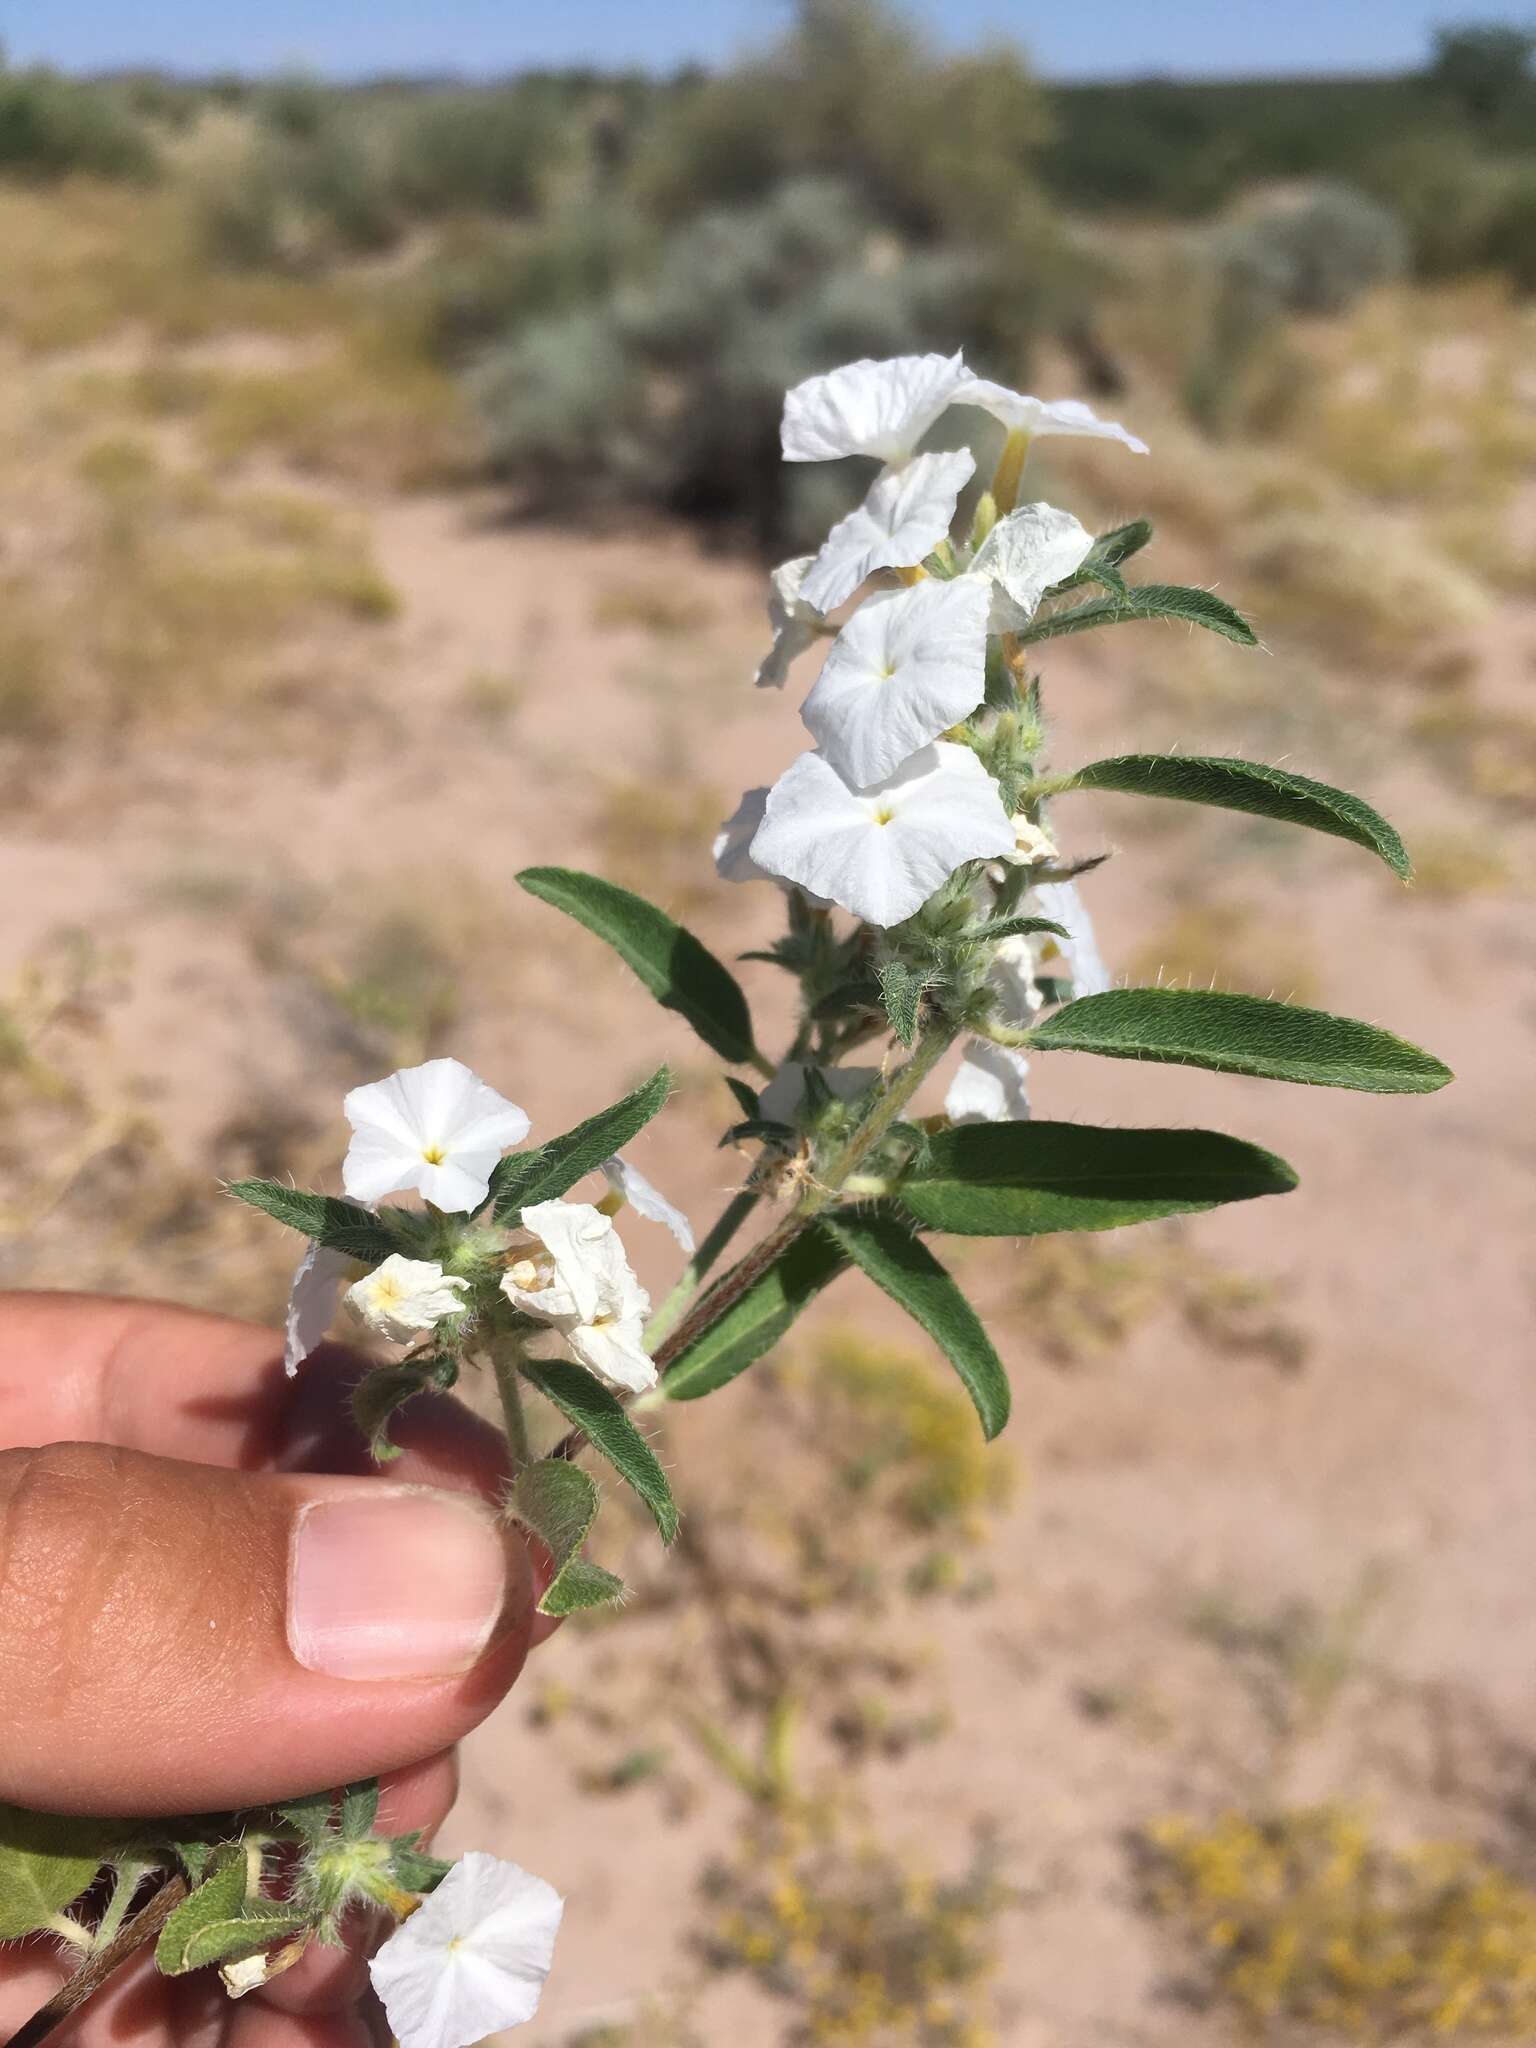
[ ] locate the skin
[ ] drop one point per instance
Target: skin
(150, 1463)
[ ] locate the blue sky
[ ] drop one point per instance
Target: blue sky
(345, 37)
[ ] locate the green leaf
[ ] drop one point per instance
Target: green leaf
(1147, 601)
(588, 1404)
(746, 1098)
(379, 1396)
(1028, 1179)
(1011, 928)
(901, 992)
(1234, 1034)
(220, 1922)
(523, 1178)
(901, 1265)
(752, 1326)
(309, 1817)
(559, 1503)
(47, 1861)
(677, 968)
(1121, 542)
(1252, 786)
(413, 1868)
(359, 1809)
(340, 1226)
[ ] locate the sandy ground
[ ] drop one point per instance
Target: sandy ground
(1162, 1480)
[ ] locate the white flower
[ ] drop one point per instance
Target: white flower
(437, 1128)
(905, 515)
(1039, 416)
(907, 666)
(795, 623)
(1023, 556)
(631, 1186)
(401, 1297)
(1030, 842)
(869, 408)
(781, 1101)
(577, 1278)
(988, 1085)
(881, 851)
(312, 1301)
(1078, 954)
(472, 1958)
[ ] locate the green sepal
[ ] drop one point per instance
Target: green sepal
(46, 1861)
(1029, 1179)
(590, 1406)
(1146, 601)
(359, 1809)
(752, 1326)
(220, 1922)
(678, 969)
(879, 1243)
(340, 1226)
(559, 1503)
(901, 993)
(1254, 787)
(413, 1868)
(1237, 1034)
(523, 1178)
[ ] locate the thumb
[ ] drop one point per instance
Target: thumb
(177, 1638)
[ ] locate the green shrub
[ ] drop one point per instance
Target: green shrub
(476, 152)
(51, 126)
(668, 390)
(1320, 251)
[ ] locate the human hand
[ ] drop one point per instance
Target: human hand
(208, 1602)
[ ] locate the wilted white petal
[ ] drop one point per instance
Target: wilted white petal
(907, 666)
(988, 1085)
(578, 1279)
(472, 1958)
(881, 851)
(436, 1128)
(795, 623)
(869, 408)
(614, 1349)
(1036, 416)
(905, 515)
(1023, 556)
(648, 1200)
(1030, 842)
(781, 1101)
(313, 1299)
(1078, 955)
(402, 1297)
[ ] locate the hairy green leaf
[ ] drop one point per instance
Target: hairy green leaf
(1121, 542)
(752, 1326)
(559, 1503)
(413, 1868)
(379, 1396)
(678, 969)
(1251, 786)
(219, 1922)
(1147, 601)
(901, 1265)
(523, 1178)
(1028, 1179)
(340, 1226)
(901, 991)
(588, 1404)
(1013, 928)
(1235, 1034)
(47, 1861)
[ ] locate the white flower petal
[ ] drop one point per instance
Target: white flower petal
(472, 1958)
(988, 1085)
(905, 515)
(614, 1350)
(582, 1242)
(1078, 954)
(1015, 966)
(648, 1201)
(401, 1297)
(313, 1300)
(880, 852)
(1037, 416)
(733, 842)
(795, 623)
(1024, 555)
(907, 666)
(781, 1101)
(869, 408)
(436, 1128)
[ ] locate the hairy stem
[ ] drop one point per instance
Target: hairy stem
(126, 1880)
(144, 1927)
(506, 1359)
(725, 1227)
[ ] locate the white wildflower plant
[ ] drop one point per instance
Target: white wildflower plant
(922, 857)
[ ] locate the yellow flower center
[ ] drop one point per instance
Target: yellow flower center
(433, 1155)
